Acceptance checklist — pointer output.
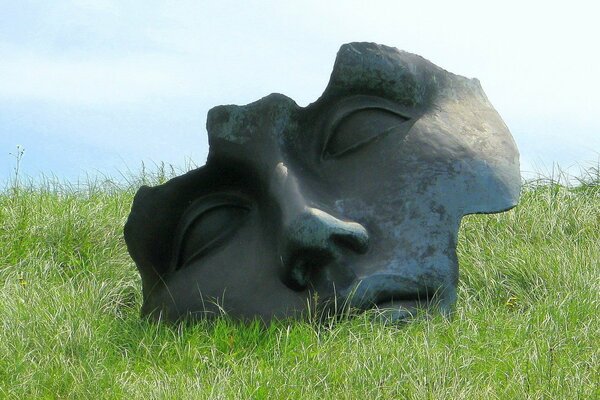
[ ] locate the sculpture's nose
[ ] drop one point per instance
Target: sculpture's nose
(314, 240)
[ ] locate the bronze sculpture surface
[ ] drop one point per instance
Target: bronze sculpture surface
(356, 198)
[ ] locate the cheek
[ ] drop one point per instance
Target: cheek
(371, 182)
(402, 201)
(243, 276)
(385, 167)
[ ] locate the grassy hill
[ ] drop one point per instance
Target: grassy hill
(527, 323)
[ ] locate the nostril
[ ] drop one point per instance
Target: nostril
(351, 235)
(356, 242)
(297, 277)
(302, 265)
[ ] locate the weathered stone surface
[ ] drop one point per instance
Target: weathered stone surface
(357, 197)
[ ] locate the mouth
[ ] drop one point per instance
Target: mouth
(394, 309)
(415, 301)
(392, 297)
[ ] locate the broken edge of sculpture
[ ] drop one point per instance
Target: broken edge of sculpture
(355, 199)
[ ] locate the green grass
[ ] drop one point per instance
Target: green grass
(526, 324)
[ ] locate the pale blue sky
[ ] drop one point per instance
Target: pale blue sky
(94, 86)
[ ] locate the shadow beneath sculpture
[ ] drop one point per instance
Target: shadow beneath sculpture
(354, 200)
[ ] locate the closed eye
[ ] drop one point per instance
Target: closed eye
(360, 128)
(206, 225)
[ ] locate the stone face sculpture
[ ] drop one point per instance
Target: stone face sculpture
(355, 199)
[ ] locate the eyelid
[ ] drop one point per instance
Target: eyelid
(351, 105)
(206, 203)
(336, 123)
(194, 211)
